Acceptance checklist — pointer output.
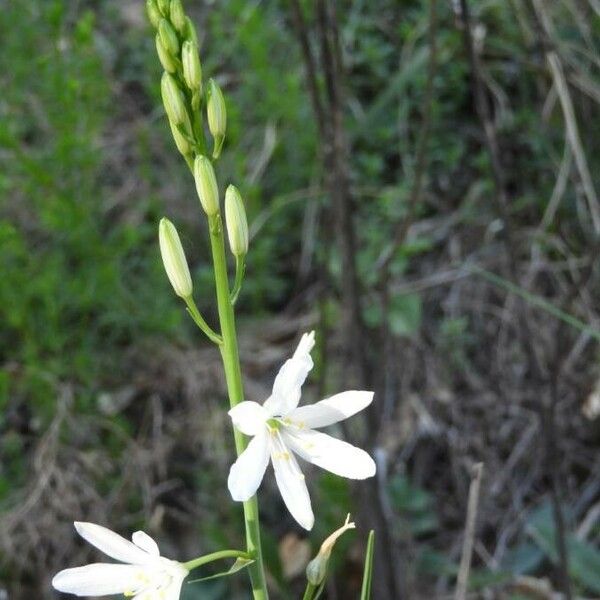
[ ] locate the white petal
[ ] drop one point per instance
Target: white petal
(145, 542)
(249, 417)
(328, 453)
(112, 544)
(331, 410)
(248, 470)
(291, 483)
(291, 376)
(174, 589)
(98, 579)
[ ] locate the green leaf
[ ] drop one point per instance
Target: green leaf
(238, 565)
(365, 593)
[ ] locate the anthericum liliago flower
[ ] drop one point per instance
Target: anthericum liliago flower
(281, 428)
(145, 576)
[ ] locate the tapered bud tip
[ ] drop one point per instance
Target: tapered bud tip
(237, 223)
(174, 260)
(163, 6)
(217, 115)
(153, 13)
(317, 567)
(178, 16)
(168, 37)
(173, 100)
(192, 71)
(206, 185)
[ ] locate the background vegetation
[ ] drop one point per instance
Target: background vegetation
(421, 184)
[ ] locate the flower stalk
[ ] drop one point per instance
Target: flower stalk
(233, 377)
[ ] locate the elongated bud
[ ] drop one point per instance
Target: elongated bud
(237, 223)
(174, 100)
(178, 16)
(192, 71)
(190, 31)
(182, 143)
(217, 116)
(168, 62)
(153, 13)
(168, 37)
(174, 260)
(206, 185)
(163, 6)
(317, 567)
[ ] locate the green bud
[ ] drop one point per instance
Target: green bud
(163, 6)
(182, 143)
(174, 260)
(168, 62)
(237, 223)
(206, 185)
(178, 16)
(153, 13)
(217, 116)
(174, 101)
(317, 567)
(168, 37)
(190, 31)
(192, 71)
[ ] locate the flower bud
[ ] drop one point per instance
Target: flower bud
(192, 71)
(182, 143)
(174, 260)
(153, 13)
(217, 116)
(163, 6)
(190, 31)
(174, 100)
(168, 37)
(206, 185)
(237, 223)
(317, 567)
(178, 16)
(168, 62)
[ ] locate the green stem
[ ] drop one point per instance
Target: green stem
(207, 558)
(309, 592)
(202, 324)
(240, 267)
(233, 376)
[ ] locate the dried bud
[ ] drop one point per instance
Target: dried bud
(317, 567)
(178, 16)
(168, 37)
(174, 101)
(192, 71)
(237, 223)
(168, 62)
(174, 260)
(217, 116)
(206, 185)
(153, 13)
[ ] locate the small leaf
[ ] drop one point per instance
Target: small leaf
(238, 565)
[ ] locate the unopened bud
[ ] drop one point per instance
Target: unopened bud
(181, 141)
(168, 62)
(217, 116)
(174, 100)
(206, 185)
(192, 71)
(173, 258)
(317, 567)
(237, 223)
(168, 37)
(178, 16)
(153, 13)
(163, 6)
(190, 31)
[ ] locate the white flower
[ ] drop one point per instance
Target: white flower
(146, 576)
(280, 428)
